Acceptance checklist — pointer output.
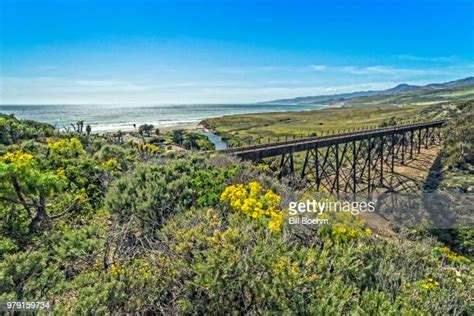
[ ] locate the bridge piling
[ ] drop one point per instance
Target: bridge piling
(381, 160)
(393, 153)
(337, 167)
(419, 141)
(403, 148)
(354, 167)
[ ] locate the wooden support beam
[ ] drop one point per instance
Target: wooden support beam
(318, 178)
(426, 137)
(305, 163)
(292, 165)
(419, 140)
(403, 148)
(369, 159)
(393, 152)
(381, 159)
(282, 165)
(337, 167)
(354, 167)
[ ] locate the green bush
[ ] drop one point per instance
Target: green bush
(13, 131)
(153, 191)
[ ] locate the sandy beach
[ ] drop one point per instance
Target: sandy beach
(187, 127)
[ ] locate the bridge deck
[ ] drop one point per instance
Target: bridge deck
(278, 148)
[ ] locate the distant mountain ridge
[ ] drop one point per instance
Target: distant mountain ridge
(399, 89)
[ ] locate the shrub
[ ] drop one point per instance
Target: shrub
(253, 201)
(154, 191)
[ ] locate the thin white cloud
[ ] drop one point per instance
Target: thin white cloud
(257, 94)
(244, 70)
(390, 71)
(112, 85)
(387, 71)
(234, 70)
(318, 67)
(45, 68)
(434, 59)
(382, 70)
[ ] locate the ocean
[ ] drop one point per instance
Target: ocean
(104, 118)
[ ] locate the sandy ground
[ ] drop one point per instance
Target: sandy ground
(186, 127)
(416, 175)
(164, 129)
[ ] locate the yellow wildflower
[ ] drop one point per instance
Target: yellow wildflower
(255, 202)
(18, 158)
(111, 164)
(429, 284)
(65, 147)
(115, 270)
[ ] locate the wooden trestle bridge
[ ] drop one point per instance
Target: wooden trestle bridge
(350, 162)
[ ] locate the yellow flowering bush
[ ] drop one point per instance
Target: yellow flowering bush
(18, 159)
(137, 268)
(66, 147)
(115, 270)
(343, 232)
(61, 173)
(261, 167)
(148, 148)
(450, 255)
(343, 226)
(429, 284)
(147, 151)
(255, 202)
(111, 165)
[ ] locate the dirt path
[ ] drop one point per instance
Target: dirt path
(417, 175)
(420, 174)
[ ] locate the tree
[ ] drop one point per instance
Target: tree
(119, 136)
(146, 128)
(192, 139)
(178, 136)
(43, 186)
(157, 132)
(78, 127)
(23, 183)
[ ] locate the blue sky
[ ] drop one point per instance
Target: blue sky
(162, 52)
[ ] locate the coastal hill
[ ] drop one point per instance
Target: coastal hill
(405, 89)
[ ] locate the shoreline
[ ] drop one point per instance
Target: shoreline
(104, 121)
(165, 129)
